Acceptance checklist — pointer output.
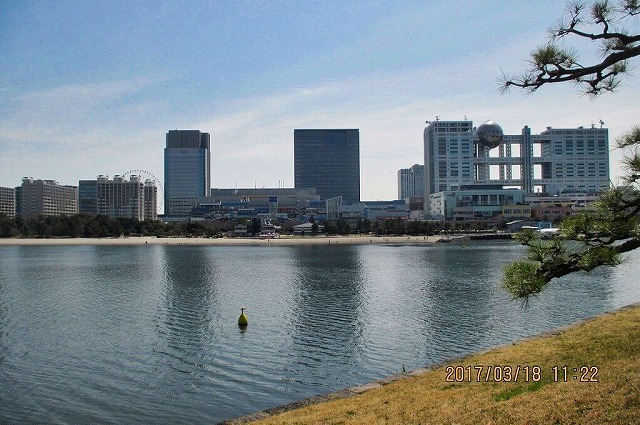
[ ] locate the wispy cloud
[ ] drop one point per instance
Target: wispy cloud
(76, 131)
(71, 112)
(112, 127)
(253, 140)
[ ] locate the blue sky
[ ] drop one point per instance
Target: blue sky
(90, 88)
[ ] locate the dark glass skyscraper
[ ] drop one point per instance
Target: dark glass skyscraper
(328, 160)
(187, 170)
(88, 197)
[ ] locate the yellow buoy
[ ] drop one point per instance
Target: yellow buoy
(242, 320)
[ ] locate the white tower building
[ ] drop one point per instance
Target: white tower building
(569, 160)
(411, 181)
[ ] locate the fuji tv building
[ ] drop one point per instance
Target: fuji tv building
(481, 170)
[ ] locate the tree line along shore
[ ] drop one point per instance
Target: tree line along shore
(102, 226)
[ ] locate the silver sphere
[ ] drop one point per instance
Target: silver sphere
(489, 134)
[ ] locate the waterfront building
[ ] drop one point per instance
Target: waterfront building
(515, 212)
(328, 160)
(46, 198)
(332, 207)
(150, 195)
(272, 202)
(448, 154)
(385, 210)
(88, 197)
(8, 201)
(307, 229)
(557, 161)
(187, 171)
(416, 207)
(476, 205)
(18, 192)
(120, 198)
(566, 199)
(411, 181)
(555, 207)
(374, 211)
(131, 198)
(574, 160)
(552, 212)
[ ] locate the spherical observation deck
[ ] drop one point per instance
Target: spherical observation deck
(489, 134)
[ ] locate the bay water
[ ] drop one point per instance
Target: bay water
(149, 334)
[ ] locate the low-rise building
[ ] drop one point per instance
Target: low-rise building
(552, 212)
(416, 207)
(473, 205)
(306, 229)
(374, 211)
(565, 199)
(384, 210)
(274, 202)
(516, 212)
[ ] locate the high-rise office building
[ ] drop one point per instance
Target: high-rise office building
(329, 161)
(47, 198)
(448, 156)
(458, 156)
(187, 171)
(8, 201)
(411, 182)
(88, 197)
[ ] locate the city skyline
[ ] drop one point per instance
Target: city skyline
(71, 98)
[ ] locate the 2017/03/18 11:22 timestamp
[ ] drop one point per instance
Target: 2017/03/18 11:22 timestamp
(504, 373)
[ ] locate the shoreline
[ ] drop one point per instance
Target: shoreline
(371, 390)
(239, 241)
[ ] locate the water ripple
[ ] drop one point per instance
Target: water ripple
(149, 334)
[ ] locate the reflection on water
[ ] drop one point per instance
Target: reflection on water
(328, 302)
(149, 334)
(184, 317)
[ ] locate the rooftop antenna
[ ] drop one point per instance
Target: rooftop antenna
(437, 118)
(601, 123)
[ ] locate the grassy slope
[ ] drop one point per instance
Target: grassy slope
(610, 342)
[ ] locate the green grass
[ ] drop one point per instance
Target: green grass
(610, 342)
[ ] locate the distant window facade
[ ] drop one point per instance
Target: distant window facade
(187, 170)
(329, 161)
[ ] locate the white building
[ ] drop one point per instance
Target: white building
(475, 205)
(458, 156)
(411, 182)
(127, 198)
(8, 201)
(47, 198)
(150, 200)
(374, 211)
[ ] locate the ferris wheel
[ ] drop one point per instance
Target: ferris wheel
(149, 176)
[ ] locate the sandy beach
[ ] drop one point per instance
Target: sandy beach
(240, 241)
